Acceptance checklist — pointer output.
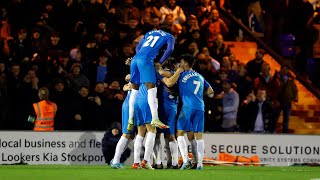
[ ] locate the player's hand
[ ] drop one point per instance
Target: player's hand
(157, 66)
(128, 61)
(77, 117)
(180, 70)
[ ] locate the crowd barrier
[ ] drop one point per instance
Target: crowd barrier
(85, 147)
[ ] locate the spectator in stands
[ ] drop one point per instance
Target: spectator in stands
(256, 20)
(259, 112)
(191, 25)
(244, 84)
(218, 49)
(109, 143)
(269, 81)
(115, 96)
(175, 28)
(99, 108)
(204, 9)
(202, 66)
(76, 78)
(225, 63)
(98, 71)
(55, 46)
(171, 8)
(229, 108)
(150, 9)
(21, 46)
(233, 61)
(212, 26)
(80, 108)
(214, 66)
(126, 52)
(125, 11)
(254, 66)
(38, 42)
(77, 57)
(4, 98)
(193, 49)
(29, 95)
(155, 22)
(109, 11)
(61, 95)
(14, 80)
(288, 93)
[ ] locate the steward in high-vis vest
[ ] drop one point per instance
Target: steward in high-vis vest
(45, 112)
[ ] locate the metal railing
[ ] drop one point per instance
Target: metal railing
(269, 50)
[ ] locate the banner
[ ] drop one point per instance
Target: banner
(85, 147)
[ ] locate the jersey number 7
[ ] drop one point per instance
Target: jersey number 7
(197, 83)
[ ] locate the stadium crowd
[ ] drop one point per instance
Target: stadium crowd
(78, 50)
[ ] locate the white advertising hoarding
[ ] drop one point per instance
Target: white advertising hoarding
(85, 147)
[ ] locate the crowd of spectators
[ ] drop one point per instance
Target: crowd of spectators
(78, 49)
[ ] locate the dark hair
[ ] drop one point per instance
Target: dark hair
(166, 29)
(171, 61)
(262, 51)
(188, 58)
(263, 88)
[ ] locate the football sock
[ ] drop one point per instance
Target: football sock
(183, 148)
(158, 150)
(153, 102)
(132, 100)
(168, 151)
(137, 149)
(200, 146)
(121, 146)
(174, 152)
(194, 150)
(149, 145)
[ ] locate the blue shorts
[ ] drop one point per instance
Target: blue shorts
(191, 120)
(125, 118)
(142, 113)
(142, 71)
(167, 116)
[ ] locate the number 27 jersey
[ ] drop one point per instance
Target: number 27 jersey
(191, 88)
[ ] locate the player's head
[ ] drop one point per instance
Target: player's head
(166, 29)
(171, 63)
(187, 60)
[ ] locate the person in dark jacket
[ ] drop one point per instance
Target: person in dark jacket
(260, 113)
(109, 143)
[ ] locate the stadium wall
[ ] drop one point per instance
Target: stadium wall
(85, 147)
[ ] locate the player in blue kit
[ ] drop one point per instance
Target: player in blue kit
(192, 87)
(143, 119)
(126, 136)
(168, 102)
(142, 70)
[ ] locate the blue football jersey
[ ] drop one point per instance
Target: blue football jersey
(151, 44)
(191, 88)
(164, 97)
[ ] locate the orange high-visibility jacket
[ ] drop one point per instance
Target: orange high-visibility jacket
(45, 115)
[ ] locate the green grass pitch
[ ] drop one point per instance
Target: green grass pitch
(95, 172)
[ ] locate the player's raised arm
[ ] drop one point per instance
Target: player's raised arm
(169, 82)
(169, 50)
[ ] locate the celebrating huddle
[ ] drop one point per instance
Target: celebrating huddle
(152, 90)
